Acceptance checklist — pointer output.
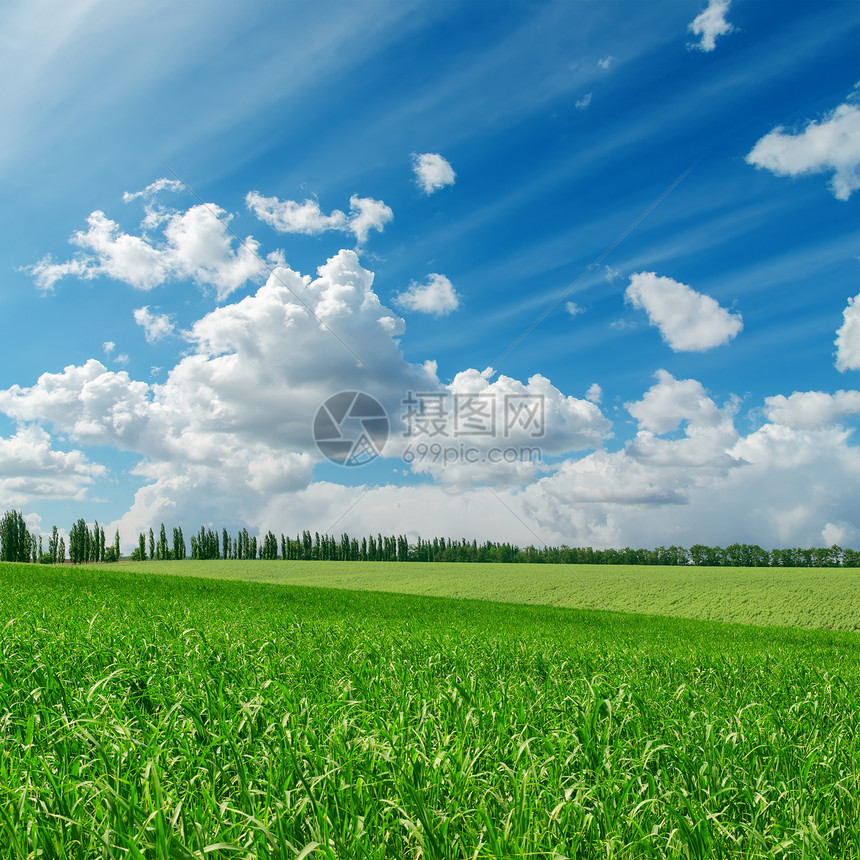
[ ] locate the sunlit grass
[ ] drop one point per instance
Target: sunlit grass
(147, 716)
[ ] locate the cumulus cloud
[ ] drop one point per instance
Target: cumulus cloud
(155, 326)
(367, 214)
(200, 247)
(432, 171)
(688, 321)
(235, 415)
(799, 487)
(711, 23)
(88, 402)
(503, 429)
(197, 246)
(606, 62)
(671, 401)
(807, 410)
(288, 216)
(31, 469)
(649, 471)
(435, 296)
(574, 309)
(848, 337)
(584, 102)
(226, 438)
(831, 145)
(686, 491)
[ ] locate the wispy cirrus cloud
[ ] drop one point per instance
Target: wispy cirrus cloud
(152, 189)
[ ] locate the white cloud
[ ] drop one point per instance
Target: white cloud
(836, 534)
(108, 346)
(46, 272)
(432, 171)
(30, 469)
(155, 326)
(669, 490)
(584, 102)
(235, 415)
(226, 438)
(119, 255)
(710, 24)
(670, 402)
(197, 246)
(649, 472)
(89, 403)
(848, 337)
(807, 410)
(152, 189)
(621, 325)
(832, 145)
(688, 321)
(200, 247)
(686, 491)
(288, 216)
(509, 428)
(606, 62)
(574, 309)
(435, 296)
(367, 214)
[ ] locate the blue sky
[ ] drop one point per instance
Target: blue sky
(479, 159)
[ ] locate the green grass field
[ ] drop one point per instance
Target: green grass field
(153, 716)
(826, 598)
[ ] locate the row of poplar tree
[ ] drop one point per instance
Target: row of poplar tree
(88, 545)
(85, 545)
(209, 544)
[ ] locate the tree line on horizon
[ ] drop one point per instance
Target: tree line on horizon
(88, 545)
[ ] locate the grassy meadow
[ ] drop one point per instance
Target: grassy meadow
(827, 598)
(152, 716)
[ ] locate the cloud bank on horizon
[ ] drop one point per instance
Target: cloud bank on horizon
(529, 397)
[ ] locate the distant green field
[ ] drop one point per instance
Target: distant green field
(827, 598)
